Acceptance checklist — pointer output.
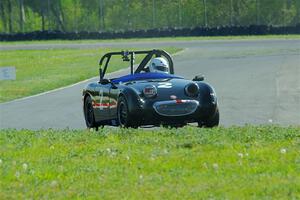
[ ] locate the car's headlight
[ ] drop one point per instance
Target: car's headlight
(150, 91)
(191, 89)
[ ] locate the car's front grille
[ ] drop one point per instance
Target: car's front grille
(175, 107)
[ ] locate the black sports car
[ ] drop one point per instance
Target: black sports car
(148, 98)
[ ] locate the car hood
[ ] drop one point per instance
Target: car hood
(165, 87)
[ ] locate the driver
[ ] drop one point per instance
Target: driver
(159, 64)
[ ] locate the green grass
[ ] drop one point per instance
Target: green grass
(42, 70)
(187, 163)
(250, 37)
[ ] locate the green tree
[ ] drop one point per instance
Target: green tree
(115, 15)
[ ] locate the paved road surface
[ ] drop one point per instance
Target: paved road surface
(257, 82)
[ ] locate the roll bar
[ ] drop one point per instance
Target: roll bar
(130, 56)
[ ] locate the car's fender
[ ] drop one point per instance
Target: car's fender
(133, 103)
(132, 98)
(207, 98)
(207, 93)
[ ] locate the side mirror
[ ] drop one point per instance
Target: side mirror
(104, 81)
(198, 78)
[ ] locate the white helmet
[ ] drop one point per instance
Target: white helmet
(159, 64)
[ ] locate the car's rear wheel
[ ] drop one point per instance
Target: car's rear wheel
(212, 121)
(123, 114)
(89, 113)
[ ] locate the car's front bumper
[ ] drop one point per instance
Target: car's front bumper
(185, 111)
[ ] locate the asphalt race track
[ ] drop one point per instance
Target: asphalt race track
(257, 82)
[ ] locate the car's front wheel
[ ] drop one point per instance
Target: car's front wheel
(89, 113)
(212, 121)
(123, 114)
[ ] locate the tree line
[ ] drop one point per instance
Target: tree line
(18, 16)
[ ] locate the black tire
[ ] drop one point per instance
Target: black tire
(89, 113)
(212, 121)
(123, 114)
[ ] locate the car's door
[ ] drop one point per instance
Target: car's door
(114, 94)
(102, 102)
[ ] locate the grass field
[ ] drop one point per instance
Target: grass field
(251, 37)
(187, 163)
(42, 70)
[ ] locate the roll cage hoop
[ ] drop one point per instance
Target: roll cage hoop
(130, 56)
